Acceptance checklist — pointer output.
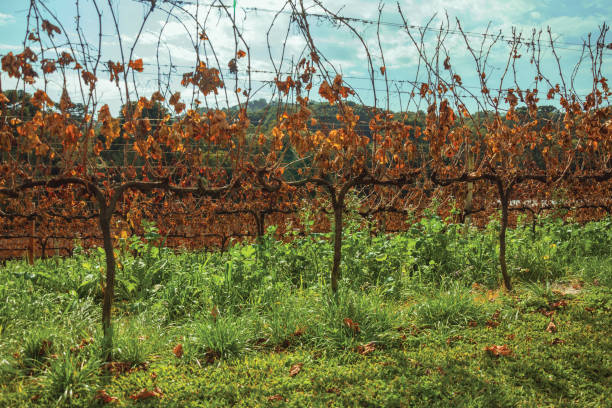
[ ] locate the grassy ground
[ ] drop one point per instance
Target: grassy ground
(420, 321)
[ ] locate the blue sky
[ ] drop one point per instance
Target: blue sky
(570, 23)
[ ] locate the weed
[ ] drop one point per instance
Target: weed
(70, 377)
(448, 307)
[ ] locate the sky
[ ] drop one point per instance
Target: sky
(570, 23)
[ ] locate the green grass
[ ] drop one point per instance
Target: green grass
(409, 327)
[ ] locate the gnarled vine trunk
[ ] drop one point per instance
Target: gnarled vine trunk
(109, 289)
(335, 273)
(505, 202)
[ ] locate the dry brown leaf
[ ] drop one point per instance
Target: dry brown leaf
(146, 394)
(178, 350)
(354, 326)
(491, 324)
(453, 339)
(366, 348)
(496, 350)
(295, 369)
(276, 397)
(552, 327)
(299, 331)
(547, 313)
(577, 285)
(561, 303)
(105, 398)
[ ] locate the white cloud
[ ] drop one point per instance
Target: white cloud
(573, 26)
(10, 47)
(341, 47)
(6, 19)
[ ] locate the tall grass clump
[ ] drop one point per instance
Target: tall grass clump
(71, 378)
(220, 337)
(446, 307)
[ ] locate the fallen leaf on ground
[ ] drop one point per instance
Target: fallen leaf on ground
(561, 303)
(552, 327)
(276, 397)
(491, 324)
(211, 356)
(178, 350)
(295, 369)
(366, 348)
(498, 350)
(352, 325)
(146, 394)
(105, 398)
(117, 367)
(453, 339)
(547, 313)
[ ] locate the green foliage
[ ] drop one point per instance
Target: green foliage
(136, 340)
(246, 316)
(220, 337)
(70, 377)
(449, 307)
(37, 347)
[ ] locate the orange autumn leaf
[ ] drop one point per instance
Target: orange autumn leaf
(383, 69)
(146, 394)
(157, 97)
(495, 350)
(354, 326)
(174, 99)
(48, 66)
(178, 350)
(136, 65)
(240, 54)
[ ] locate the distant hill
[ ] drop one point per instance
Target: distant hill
(263, 115)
